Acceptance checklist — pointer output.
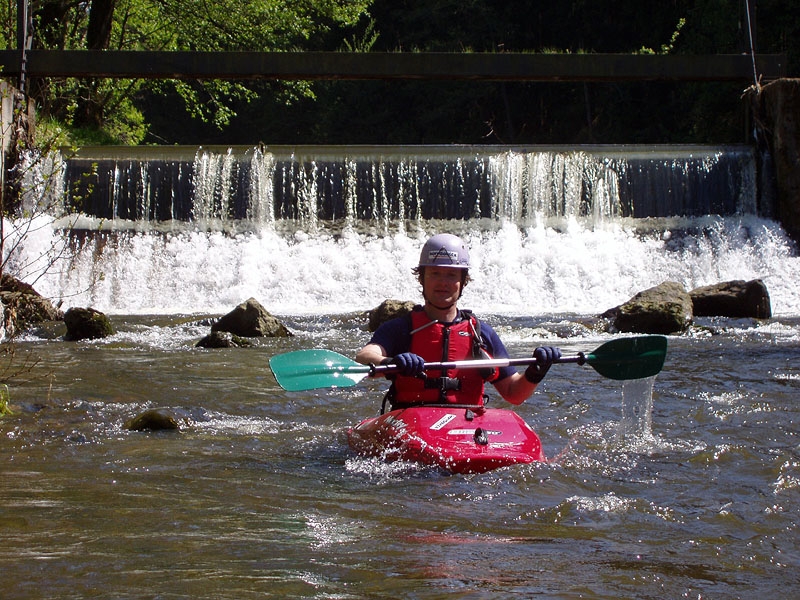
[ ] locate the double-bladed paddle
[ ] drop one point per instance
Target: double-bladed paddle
(621, 359)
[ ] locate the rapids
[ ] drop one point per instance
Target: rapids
(558, 266)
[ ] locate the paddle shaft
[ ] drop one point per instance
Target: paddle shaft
(480, 363)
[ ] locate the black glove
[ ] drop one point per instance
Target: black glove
(409, 364)
(545, 356)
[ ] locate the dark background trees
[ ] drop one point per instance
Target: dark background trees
(411, 112)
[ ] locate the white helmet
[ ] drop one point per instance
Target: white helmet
(444, 250)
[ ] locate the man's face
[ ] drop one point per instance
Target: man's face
(441, 286)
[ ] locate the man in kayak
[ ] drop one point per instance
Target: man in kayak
(440, 331)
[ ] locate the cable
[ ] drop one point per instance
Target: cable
(752, 45)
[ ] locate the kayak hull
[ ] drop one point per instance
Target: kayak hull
(456, 438)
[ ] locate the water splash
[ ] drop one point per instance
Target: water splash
(635, 426)
(573, 266)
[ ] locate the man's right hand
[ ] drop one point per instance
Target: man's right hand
(409, 364)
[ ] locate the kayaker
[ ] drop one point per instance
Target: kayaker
(440, 331)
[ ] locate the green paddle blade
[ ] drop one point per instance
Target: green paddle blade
(311, 369)
(630, 358)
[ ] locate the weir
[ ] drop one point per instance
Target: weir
(310, 185)
(338, 229)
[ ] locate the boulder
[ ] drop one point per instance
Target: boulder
(222, 339)
(663, 309)
(9, 283)
(153, 420)
(23, 305)
(388, 309)
(250, 319)
(738, 299)
(86, 323)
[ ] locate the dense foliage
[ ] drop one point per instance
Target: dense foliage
(405, 112)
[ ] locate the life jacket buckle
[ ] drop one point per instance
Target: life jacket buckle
(445, 384)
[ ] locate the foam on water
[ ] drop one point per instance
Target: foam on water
(553, 266)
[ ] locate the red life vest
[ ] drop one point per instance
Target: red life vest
(444, 342)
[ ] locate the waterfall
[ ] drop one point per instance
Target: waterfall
(329, 229)
(386, 185)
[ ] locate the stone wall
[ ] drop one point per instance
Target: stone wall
(776, 110)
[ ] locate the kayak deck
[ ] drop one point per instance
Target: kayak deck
(456, 438)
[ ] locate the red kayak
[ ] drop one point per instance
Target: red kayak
(457, 438)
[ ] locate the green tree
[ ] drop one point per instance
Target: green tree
(406, 112)
(198, 25)
(569, 112)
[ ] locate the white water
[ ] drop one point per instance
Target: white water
(556, 243)
(559, 266)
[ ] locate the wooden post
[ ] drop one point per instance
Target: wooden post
(6, 115)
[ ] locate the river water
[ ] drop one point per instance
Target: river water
(258, 495)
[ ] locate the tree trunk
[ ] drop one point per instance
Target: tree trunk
(89, 111)
(101, 15)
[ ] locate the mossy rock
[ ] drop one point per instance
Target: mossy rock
(86, 323)
(152, 420)
(250, 319)
(388, 309)
(223, 339)
(663, 309)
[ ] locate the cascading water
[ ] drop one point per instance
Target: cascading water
(384, 185)
(305, 230)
